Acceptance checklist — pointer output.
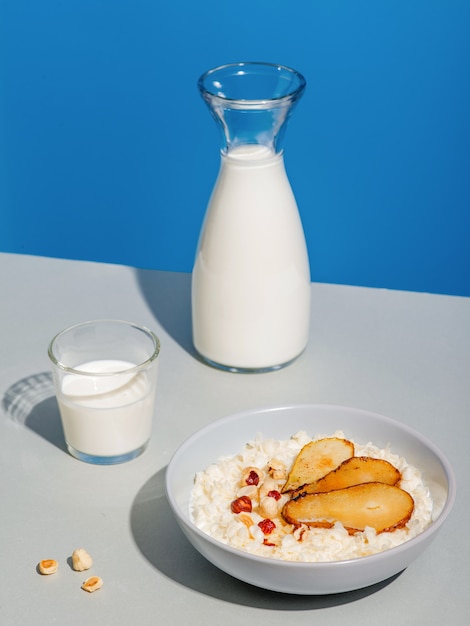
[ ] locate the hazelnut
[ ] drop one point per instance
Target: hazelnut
(92, 584)
(48, 566)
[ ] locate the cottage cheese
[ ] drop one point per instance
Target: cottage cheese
(216, 487)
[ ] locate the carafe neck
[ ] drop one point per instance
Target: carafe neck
(251, 103)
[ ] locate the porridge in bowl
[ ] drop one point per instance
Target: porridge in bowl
(318, 499)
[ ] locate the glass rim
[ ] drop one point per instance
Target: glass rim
(72, 370)
(255, 102)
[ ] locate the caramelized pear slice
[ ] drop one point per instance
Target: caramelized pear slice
(354, 471)
(316, 459)
(380, 506)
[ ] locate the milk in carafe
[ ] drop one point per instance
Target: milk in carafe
(251, 275)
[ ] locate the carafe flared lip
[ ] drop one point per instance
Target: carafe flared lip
(252, 84)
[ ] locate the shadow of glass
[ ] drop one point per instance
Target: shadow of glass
(169, 298)
(31, 402)
(163, 544)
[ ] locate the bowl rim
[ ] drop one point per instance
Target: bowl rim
(423, 536)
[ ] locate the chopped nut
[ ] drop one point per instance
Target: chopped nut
(277, 470)
(48, 566)
(81, 560)
(299, 532)
(92, 584)
(269, 485)
(268, 507)
(250, 491)
(246, 519)
(242, 504)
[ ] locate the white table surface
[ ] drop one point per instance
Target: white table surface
(406, 355)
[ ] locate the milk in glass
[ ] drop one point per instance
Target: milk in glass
(107, 416)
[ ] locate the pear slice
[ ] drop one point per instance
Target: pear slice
(354, 471)
(316, 459)
(380, 506)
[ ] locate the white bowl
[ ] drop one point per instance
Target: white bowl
(228, 435)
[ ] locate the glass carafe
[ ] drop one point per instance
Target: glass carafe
(251, 277)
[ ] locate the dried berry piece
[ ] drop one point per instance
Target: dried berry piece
(267, 526)
(252, 478)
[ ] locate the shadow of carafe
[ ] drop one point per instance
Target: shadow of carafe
(168, 294)
(31, 402)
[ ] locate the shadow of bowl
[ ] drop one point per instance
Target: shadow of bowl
(160, 540)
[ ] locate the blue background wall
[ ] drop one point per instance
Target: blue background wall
(108, 153)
